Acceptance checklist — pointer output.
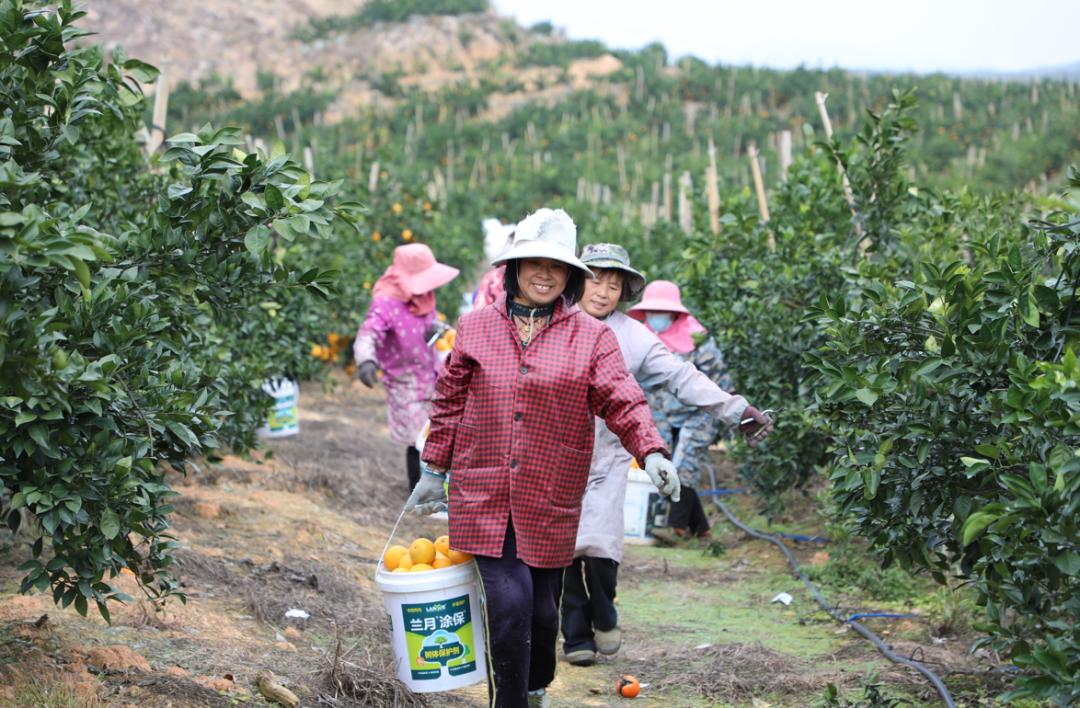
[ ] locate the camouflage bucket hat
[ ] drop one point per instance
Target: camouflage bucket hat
(615, 257)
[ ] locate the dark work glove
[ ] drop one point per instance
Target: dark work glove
(366, 373)
(434, 331)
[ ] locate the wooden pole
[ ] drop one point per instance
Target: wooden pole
(161, 114)
(373, 177)
(712, 190)
(849, 195)
(759, 185)
(686, 213)
(785, 153)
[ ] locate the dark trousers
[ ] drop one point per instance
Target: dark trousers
(688, 513)
(588, 602)
(412, 465)
(522, 608)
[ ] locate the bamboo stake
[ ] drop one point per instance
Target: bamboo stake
(785, 153)
(686, 213)
(161, 114)
(712, 190)
(667, 190)
(309, 159)
(373, 177)
(759, 187)
(849, 195)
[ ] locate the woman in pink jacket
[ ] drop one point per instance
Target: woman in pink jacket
(513, 419)
(394, 338)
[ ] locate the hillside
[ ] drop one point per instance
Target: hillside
(196, 42)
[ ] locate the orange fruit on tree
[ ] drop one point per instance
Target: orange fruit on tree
(405, 562)
(406, 235)
(442, 545)
(376, 237)
(627, 686)
(396, 208)
(422, 550)
(393, 555)
(459, 557)
(441, 561)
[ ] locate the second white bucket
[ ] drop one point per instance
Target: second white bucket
(437, 627)
(641, 507)
(284, 418)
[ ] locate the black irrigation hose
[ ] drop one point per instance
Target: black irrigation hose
(825, 605)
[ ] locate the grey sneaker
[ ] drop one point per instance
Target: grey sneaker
(608, 642)
(581, 657)
(539, 699)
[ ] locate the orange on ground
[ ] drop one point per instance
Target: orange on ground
(393, 555)
(420, 568)
(442, 545)
(627, 686)
(459, 557)
(422, 550)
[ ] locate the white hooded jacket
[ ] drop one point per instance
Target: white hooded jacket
(600, 533)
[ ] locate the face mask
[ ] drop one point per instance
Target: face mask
(659, 321)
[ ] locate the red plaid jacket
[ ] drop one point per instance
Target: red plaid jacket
(515, 427)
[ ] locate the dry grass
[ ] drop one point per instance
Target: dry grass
(733, 672)
(357, 677)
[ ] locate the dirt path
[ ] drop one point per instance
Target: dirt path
(300, 527)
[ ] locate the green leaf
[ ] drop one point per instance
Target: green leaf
(866, 396)
(274, 198)
(1068, 563)
(871, 480)
(141, 71)
(178, 190)
(257, 239)
(974, 465)
(110, 524)
(975, 525)
(183, 432)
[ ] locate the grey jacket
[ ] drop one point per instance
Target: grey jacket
(600, 533)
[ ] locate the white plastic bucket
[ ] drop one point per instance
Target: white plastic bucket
(284, 418)
(436, 626)
(643, 509)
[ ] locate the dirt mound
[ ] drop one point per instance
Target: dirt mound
(113, 658)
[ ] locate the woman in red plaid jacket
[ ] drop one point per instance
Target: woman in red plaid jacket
(513, 419)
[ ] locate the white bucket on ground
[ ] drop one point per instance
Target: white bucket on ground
(437, 627)
(284, 418)
(641, 508)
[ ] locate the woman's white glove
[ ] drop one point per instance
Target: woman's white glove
(663, 474)
(429, 494)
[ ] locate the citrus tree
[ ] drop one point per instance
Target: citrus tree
(137, 304)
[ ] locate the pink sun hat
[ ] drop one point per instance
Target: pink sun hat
(419, 271)
(664, 296)
(660, 296)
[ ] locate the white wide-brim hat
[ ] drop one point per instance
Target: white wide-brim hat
(546, 233)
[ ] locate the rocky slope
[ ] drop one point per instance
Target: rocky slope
(193, 40)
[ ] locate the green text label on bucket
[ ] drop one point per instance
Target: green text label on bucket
(440, 637)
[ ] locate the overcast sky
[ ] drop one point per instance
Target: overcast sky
(917, 35)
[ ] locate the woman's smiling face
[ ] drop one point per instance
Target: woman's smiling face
(602, 295)
(541, 280)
